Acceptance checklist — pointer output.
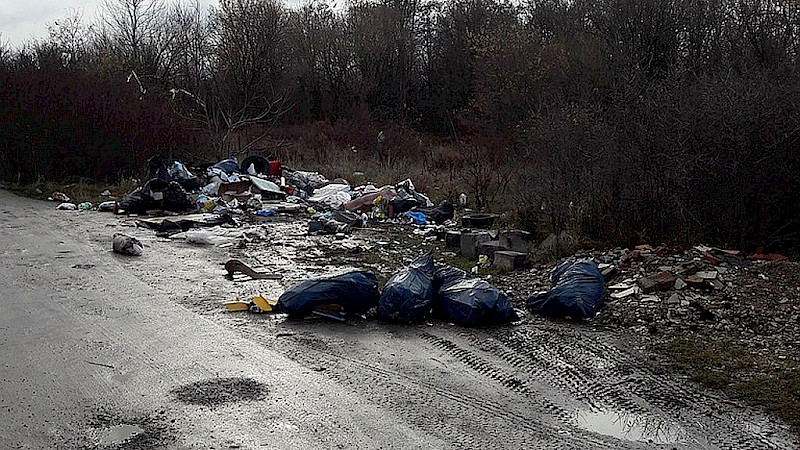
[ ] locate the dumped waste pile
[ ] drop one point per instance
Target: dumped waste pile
(665, 292)
(648, 289)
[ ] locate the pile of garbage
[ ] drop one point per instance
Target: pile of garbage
(667, 291)
(225, 187)
(414, 294)
(265, 188)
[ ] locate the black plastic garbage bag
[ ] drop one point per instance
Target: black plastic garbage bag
(440, 213)
(137, 202)
(474, 302)
(157, 168)
(356, 292)
(408, 295)
(447, 275)
(578, 291)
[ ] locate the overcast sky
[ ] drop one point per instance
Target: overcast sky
(24, 20)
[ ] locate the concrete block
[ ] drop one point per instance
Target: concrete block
(509, 260)
(489, 248)
(515, 240)
(452, 239)
(470, 241)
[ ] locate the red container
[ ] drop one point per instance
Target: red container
(275, 168)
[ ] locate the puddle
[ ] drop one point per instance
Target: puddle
(630, 427)
(118, 434)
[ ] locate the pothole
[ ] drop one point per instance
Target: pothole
(630, 427)
(118, 434)
(219, 391)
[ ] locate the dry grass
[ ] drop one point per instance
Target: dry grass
(722, 365)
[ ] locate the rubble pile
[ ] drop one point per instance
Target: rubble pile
(753, 301)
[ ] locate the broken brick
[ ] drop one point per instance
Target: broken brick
(656, 282)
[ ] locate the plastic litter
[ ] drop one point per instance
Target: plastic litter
(85, 206)
(203, 237)
(106, 206)
(408, 295)
(67, 206)
(332, 195)
(356, 292)
(417, 218)
(60, 197)
(126, 245)
(265, 212)
(578, 291)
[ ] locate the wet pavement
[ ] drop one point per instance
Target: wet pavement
(84, 330)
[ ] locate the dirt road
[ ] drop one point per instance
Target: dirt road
(103, 351)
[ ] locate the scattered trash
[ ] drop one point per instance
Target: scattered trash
(356, 292)
(127, 245)
(578, 290)
(408, 295)
(85, 206)
(439, 214)
(417, 218)
(59, 197)
(203, 237)
(265, 213)
(105, 193)
(67, 206)
(107, 206)
(234, 266)
(236, 305)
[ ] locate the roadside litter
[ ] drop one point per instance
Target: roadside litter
(126, 245)
(578, 291)
(353, 293)
(67, 206)
(258, 304)
(474, 302)
(59, 197)
(234, 266)
(408, 295)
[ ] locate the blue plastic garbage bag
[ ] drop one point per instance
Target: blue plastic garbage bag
(578, 291)
(228, 166)
(408, 295)
(474, 302)
(356, 292)
(417, 217)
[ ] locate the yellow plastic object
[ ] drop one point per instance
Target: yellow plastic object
(236, 305)
(483, 259)
(264, 304)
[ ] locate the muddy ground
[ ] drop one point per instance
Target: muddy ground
(104, 351)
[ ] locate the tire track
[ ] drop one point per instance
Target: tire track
(552, 358)
(519, 430)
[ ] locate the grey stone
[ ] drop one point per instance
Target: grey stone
(470, 241)
(515, 240)
(509, 260)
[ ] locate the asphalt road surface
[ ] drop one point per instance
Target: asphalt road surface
(103, 351)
